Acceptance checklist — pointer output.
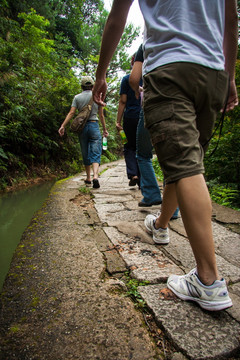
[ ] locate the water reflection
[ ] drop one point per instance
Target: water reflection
(16, 211)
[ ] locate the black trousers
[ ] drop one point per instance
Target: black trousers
(130, 129)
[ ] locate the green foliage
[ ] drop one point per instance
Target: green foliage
(157, 169)
(85, 190)
(14, 329)
(132, 290)
(104, 159)
(108, 157)
(74, 167)
(44, 47)
(224, 195)
(35, 79)
(223, 166)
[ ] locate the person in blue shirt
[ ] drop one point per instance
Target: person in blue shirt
(148, 182)
(128, 110)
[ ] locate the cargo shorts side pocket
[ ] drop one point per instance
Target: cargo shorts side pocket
(160, 122)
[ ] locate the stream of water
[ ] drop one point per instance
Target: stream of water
(16, 211)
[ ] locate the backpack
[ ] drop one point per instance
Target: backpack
(80, 120)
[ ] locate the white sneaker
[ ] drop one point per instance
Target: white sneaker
(160, 236)
(189, 287)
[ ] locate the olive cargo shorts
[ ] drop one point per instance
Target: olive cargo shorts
(181, 102)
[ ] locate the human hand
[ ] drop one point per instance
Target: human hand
(99, 92)
(233, 96)
(61, 130)
(118, 126)
(105, 133)
(138, 92)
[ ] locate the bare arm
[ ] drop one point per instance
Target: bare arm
(230, 45)
(135, 77)
(69, 116)
(121, 107)
(102, 119)
(112, 33)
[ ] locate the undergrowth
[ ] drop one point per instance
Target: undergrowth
(222, 194)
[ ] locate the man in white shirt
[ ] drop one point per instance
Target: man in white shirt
(190, 49)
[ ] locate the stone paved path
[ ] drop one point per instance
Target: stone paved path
(198, 334)
(58, 304)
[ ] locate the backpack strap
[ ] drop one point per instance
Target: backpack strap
(90, 101)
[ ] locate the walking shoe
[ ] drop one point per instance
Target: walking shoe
(133, 181)
(175, 217)
(87, 182)
(96, 184)
(144, 204)
(189, 287)
(160, 236)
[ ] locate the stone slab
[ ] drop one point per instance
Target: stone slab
(197, 333)
(234, 311)
(102, 241)
(178, 227)
(225, 215)
(227, 244)
(125, 215)
(236, 289)
(104, 192)
(111, 199)
(146, 262)
(135, 230)
(109, 208)
(115, 263)
(133, 205)
(179, 249)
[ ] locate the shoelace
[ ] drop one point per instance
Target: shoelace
(157, 214)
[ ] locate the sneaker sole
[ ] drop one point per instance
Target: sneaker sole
(141, 204)
(96, 184)
(206, 305)
(160, 242)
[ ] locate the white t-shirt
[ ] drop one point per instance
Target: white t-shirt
(183, 31)
(80, 100)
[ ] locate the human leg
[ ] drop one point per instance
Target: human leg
(83, 140)
(95, 167)
(169, 204)
(130, 128)
(88, 172)
(202, 284)
(175, 135)
(95, 150)
(149, 186)
(158, 225)
(175, 214)
(131, 162)
(96, 184)
(196, 211)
